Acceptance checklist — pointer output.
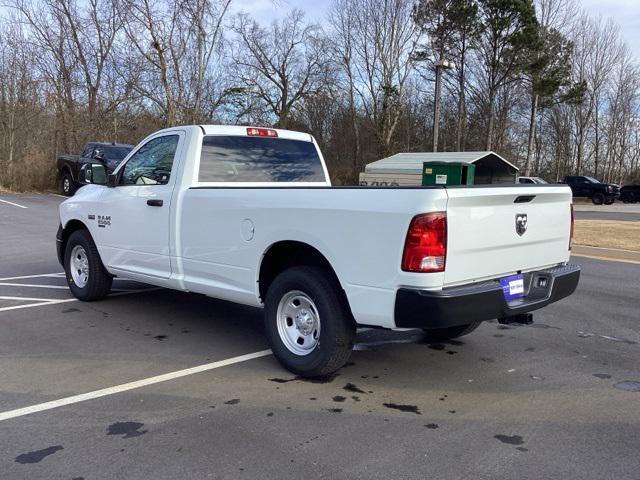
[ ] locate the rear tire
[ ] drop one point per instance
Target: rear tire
(443, 334)
(87, 278)
(307, 322)
(67, 187)
(597, 199)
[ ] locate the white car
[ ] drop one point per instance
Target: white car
(532, 180)
(249, 215)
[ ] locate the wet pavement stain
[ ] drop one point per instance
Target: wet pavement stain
(498, 335)
(510, 439)
(70, 310)
(339, 398)
(530, 349)
(350, 387)
(326, 379)
(437, 346)
(355, 398)
(126, 429)
(160, 337)
(334, 410)
(432, 426)
(543, 326)
(37, 455)
(602, 375)
(451, 352)
(270, 414)
(606, 337)
(628, 386)
(522, 449)
(282, 380)
(403, 408)
(233, 401)
(185, 330)
(487, 359)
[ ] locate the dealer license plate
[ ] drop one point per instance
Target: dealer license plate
(512, 286)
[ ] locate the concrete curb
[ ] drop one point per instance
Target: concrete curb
(608, 253)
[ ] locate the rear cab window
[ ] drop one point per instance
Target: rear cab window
(237, 159)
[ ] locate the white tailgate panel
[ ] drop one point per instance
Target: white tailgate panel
(482, 240)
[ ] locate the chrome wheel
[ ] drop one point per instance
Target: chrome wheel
(66, 185)
(79, 266)
(298, 322)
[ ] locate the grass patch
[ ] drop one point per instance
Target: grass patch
(607, 234)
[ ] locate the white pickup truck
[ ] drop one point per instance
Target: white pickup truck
(249, 215)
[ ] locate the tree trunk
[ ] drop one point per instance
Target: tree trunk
(532, 131)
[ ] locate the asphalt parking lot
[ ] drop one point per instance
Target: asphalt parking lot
(617, 211)
(182, 386)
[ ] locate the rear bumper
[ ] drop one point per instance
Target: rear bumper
(471, 303)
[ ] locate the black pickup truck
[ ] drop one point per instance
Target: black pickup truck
(110, 154)
(589, 187)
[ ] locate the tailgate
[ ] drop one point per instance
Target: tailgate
(484, 240)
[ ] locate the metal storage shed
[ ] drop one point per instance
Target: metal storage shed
(406, 168)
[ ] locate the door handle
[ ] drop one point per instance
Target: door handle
(154, 203)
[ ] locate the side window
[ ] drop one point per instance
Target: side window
(87, 150)
(151, 164)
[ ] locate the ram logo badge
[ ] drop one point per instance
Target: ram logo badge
(521, 223)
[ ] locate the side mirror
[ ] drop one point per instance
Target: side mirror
(94, 173)
(112, 180)
(97, 155)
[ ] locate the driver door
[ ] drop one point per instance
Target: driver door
(133, 218)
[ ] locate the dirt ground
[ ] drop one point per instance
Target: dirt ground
(607, 234)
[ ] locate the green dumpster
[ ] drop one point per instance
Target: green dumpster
(448, 173)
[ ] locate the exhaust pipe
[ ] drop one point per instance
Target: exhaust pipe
(521, 319)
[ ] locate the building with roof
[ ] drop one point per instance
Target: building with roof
(406, 168)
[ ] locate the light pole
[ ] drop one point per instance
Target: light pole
(441, 65)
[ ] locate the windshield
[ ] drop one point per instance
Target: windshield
(592, 180)
(539, 180)
(116, 153)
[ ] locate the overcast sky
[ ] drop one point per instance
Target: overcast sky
(625, 12)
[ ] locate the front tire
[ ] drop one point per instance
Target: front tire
(86, 276)
(307, 322)
(597, 199)
(436, 335)
(609, 201)
(67, 187)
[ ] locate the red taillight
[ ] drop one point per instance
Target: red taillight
(261, 132)
(425, 249)
(571, 228)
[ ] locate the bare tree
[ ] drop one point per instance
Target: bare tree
(283, 65)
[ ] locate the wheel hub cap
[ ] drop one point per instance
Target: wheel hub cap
(79, 266)
(298, 322)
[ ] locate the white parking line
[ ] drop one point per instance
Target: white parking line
(57, 195)
(32, 276)
(27, 299)
(83, 397)
(11, 203)
(39, 304)
(54, 301)
(32, 285)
